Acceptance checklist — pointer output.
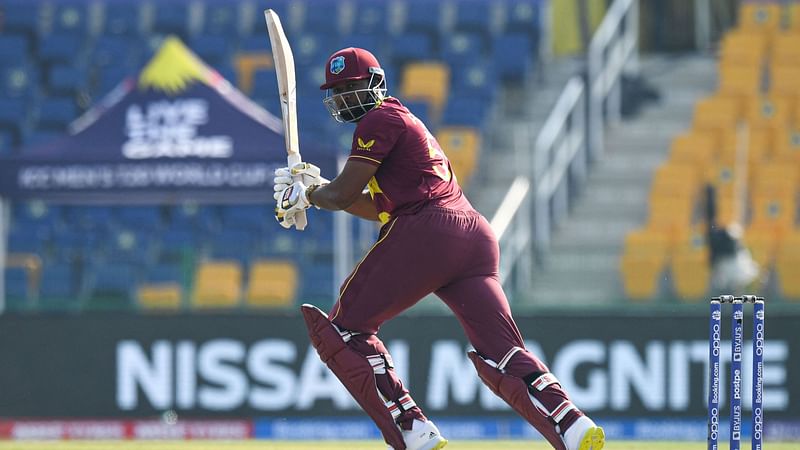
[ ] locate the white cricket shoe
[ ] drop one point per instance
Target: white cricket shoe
(584, 434)
(423, 436)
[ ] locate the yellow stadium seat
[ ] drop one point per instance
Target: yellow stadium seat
(160, 296)
(428, 82)
(744, 47)
(716, 115)
(696, 148)
(775, 178)
(766, 112)
(690, 270)
(643, 261)
(272, 283)
(786, 144)
(763, 16)
(783, 82)
(217, 284)
(675, 178)
(740, 80)
(794, 16)
(786, 50)
(462, 147)
(774, 212)
(247, 64)
(787, 266)
(670, 214)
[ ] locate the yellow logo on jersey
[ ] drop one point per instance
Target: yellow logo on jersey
(373, 187)
(365, 146)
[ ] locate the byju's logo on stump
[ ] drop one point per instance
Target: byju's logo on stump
(337, 65)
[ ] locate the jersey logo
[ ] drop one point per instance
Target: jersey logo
(337, 65)
(365, 146)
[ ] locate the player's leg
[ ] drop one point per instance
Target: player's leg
(384, 283)
(512, 372)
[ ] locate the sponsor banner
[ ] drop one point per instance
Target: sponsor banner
(222, 366)
(166, 428)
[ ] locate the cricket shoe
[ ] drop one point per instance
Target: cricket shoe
(423, 436)
(584, 434)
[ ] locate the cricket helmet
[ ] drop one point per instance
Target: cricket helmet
(350, 64)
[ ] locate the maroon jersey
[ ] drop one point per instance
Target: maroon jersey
(413, 170)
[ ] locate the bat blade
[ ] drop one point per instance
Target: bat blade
(287, 86)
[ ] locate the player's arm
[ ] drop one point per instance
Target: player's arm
(346, 191)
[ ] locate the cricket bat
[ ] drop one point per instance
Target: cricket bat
(287, 87)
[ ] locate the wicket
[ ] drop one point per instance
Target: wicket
(737, 345)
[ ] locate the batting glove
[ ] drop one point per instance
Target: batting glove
(308, 173)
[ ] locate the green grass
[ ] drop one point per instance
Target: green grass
(340, 445)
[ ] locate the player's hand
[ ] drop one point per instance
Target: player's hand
(308, 173)
(291, 201)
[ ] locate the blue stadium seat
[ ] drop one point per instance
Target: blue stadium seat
(17, 289)
(129, 246)
(524, 16)
(423, 16)
(72, 245)
(29, 240)
(512, 56)
(221, 19)
(420, 109)
(116, 51)
(171, 18)
(12, 112)
(39, 137)
(463, 49)
(371, 17)
(247, 217)
(478, 80)
(411, 47)
(59, 288)
(213, 50)
(311, 50)
(66, 79)
(13, 49)
(7, 145)
(322, 16)
(474, 15)
(374, 42)
(255, 44)
(57, 113)
(91, 217)
(318, 284)
(71, 17)
(57, 48)
(164, 273)
(110, 286)
(18, 81)
(21, 17)
(238, 245)
(108, 79)
(122, 18)
(465, 111)
(201, 219)
(145, 218)
(176, 245)
(265, 84)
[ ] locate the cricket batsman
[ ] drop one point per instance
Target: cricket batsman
(431, 240)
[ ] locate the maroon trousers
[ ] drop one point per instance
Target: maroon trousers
(453, 254)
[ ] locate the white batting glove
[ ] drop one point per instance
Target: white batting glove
(309, 174)
(292, 200)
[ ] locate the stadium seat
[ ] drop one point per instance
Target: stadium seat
(760, 16)
(59, 48)
(233, 244)
(476, 81)
(172, 18)
(59, 288)
(462, 147)
(775, 212)
(13, 49)
(142, 218)
(110, 286)
(783, 82)
(411, 48)
(695, 148)
(786, 50)
(317, 285)
(221, 19)
(670, 214)
(162, 288)
(423, 16)
(252, 218)
(676, 178)
(512, 57)
(178, 245)
(323, 18)
(739, 81)
(524, 16)
(311, 50)
(122, 18)
(64, 79)
(466, 111)
(786, 144)
(12, 113)
(247, 65)
(57, 113)
(775, 178)
(744, 48)
(22, 17)
(427, 82)
(370, 18)
(272, 284)
(690, 270)
(787, 266)
(71, 18)
(461, 50)
(643, 261)
(794, 16)
(115, 51)
(217, 285)
(18, 81)
(767, 112)
(475, 16)
(214, 50)
(265, 84)
(6, 143)
(716, 115)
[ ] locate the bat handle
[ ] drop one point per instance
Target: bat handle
(300, 219)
